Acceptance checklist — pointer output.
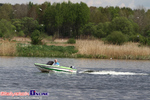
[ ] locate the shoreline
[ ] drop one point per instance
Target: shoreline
(93, 49)
(75, 57)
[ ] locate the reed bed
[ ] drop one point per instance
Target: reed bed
(127, 51)
(7, 48)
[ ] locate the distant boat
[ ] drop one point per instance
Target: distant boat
(55, 68)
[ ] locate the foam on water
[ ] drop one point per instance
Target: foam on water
(103, 72)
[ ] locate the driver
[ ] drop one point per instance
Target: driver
(55, 62)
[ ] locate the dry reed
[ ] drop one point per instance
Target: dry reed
(127, 51)
(7, 48)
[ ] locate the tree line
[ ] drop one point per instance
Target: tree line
(75, 20)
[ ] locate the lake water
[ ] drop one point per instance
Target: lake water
(96, 79)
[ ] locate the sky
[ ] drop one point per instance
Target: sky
(121, 3)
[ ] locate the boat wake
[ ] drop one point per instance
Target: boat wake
(104, 72)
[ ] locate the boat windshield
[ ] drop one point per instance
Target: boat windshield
(50, 63)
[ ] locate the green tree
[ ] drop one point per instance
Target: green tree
(17, 23)
(7, 30)
(49, 19)
(6, 12)
(41, 10)
(66, 19)
(89, 29)
(69, 19)
(122, 24)
(146, 30)
(100, 31)
(114, 12)
(58, 18)
(104, 16)
(30, 4)
(106, 28)
(141, 19)
(116, 37)
(83, 13)
(126, 12)
(53, 18)
(29, 25)
(36, 38)
(95, 15)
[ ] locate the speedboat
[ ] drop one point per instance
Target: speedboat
(54, 68)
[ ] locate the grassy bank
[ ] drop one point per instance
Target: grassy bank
(82, 49)
(45, 51)
(97, 49)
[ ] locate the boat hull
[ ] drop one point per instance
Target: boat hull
(55, 68)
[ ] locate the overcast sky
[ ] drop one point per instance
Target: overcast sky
(121, 3)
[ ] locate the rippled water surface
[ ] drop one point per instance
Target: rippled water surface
(96, 79)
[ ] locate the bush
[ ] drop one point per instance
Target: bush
(135, 38)
(21, 34)
(116, 37)
(71, 41)
(45, 51)
(36, 38)
(148, 42)
(145, 41)
(1, 34)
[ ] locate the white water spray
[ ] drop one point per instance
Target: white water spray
(103, 72)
